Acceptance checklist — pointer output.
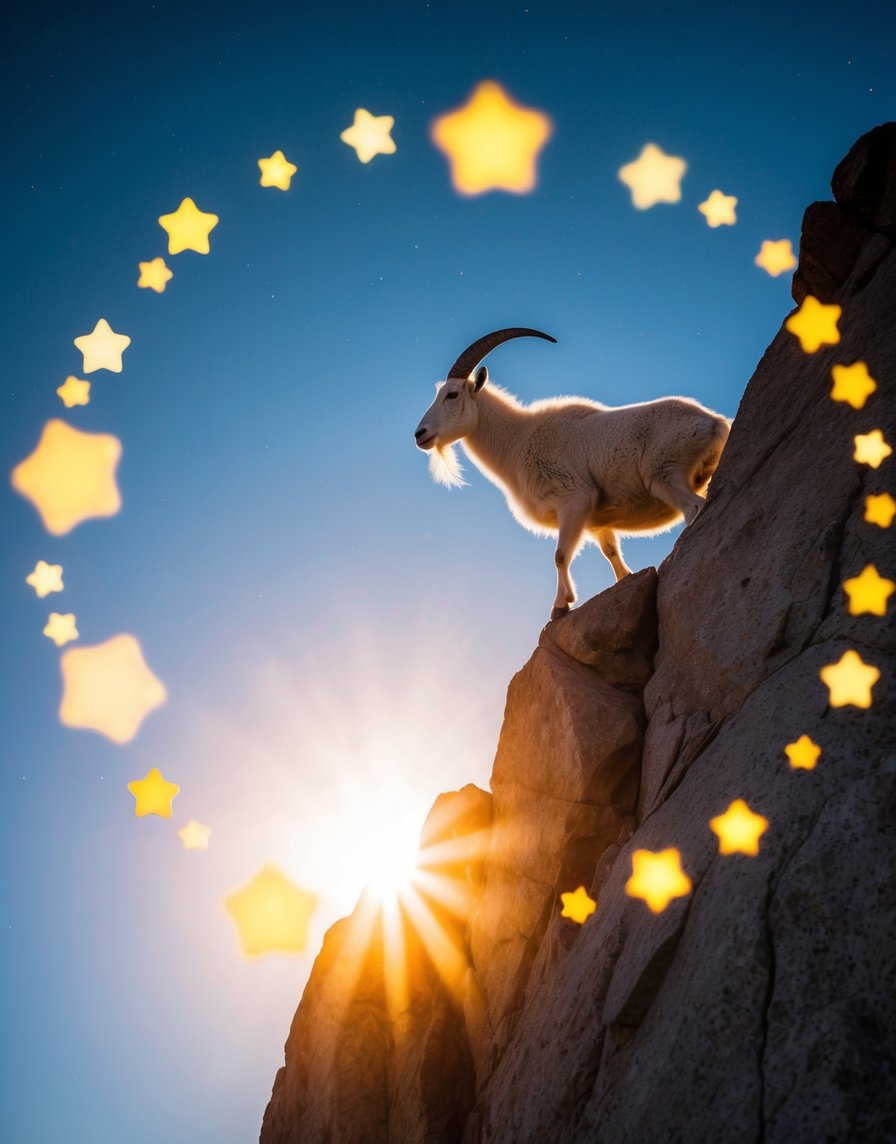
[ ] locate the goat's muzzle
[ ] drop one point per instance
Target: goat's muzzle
(424, 439)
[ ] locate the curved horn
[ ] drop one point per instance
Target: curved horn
(473, 355)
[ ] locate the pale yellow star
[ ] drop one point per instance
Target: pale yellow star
(739, 829)
(850, 680)
(815, 324)
(194, 835)
(271, 913)
(654, 177)
(578, 906)
(102, 349)
(45, 578)
(188, 228)
(492, 143)
(657, 877)
(871, 448)
(868, 593)
(880, 508)
(277, 171)
(718, 209)
(369, 135)
(108, 688)
(61, 628)
(74, 391)
(70, 476)
(153, 794)
(776, 257)
(803, 754)
(154, 275)
(852, 384)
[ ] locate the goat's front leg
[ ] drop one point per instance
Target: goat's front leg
(608, 543)
(571, 517)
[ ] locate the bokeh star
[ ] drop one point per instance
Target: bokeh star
(803, 754)
(871, 448)
(153, 794)
(739, 829)
(276, 171)
(776, 256)
(880, 508)
(657, 878)
(578, 905)
(188, 228)
(718, 209)
(868, 593)
(369, 135)
(45, 578)
(102, 348)
(654, 177)
(850, 680)
(109, 688)
(271, 913)
(154, 275)
(815, 324)
(61, 629)
(74, 391)
(194, 835)
(852, 384)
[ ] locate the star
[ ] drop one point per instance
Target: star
(74, 392)
(739, 829)
(45, 578)
(153, 794)
(194, 835)
(803, 754)
(776, 257)
(718, 209)
(70, 476)
(815, 324)
(868, 592)
(871, 448)
(369, 135)
(102, 349)
(853, 384)
(492, 142)
(880, 509)
(154, 275)
(188, 228)
(578, 906)
(657, 877)
(850, 680)
(271, 913)
(108, 688)
(61, 628)
(277, 171)
(654, 177)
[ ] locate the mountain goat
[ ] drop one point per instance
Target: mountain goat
(571, 466)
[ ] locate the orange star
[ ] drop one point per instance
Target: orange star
(654, 177)
(850, 680)
(657, 877)
(880, 508)
(74, 391)
(108, 688)
(102, 348)
(153, 794)
(61, 628)
(739, 829)
(45, 578)
(154, 275)
(803, 754)
(776, 257)
(194, 835)
(276, 171)
(718, 209)
(369, 135)
(578, 906)
(852, 384)
(815, 324)
(271, 914)
(188, 228)
(868, 592)
(871, 449)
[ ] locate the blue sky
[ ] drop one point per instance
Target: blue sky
(336, 633)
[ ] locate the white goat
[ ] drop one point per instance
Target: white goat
(570, 466)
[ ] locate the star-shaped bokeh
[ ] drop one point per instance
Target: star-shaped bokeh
(815, 324)
(880, 508)
(654, 177)
(271, 913)
(153, 794)
(276, 171)
(718, 209)
(657, 878)
(868, 593)
(776, 256)
(102, 348)
(154, 275)
(188, 228)
(852, 384)
(871, 448)
(109, 688)
(578, 905)
(45, 578)
(74, 391)
(849, 681)
(194, 835)
(803, 754)
(61, 629)
(739, 829)
(369, 135)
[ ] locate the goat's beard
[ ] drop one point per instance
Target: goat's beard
(444, 467)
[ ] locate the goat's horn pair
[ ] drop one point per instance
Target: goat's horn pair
(473, 355)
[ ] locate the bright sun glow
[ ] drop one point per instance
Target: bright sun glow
(383, 856)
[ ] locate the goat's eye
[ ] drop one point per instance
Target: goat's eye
(450, 396)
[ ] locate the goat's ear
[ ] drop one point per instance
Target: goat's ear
(480, 379)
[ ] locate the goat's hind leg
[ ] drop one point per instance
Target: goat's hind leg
(571, 517)
(608, 543)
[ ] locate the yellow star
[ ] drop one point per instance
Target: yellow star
(578, 906)
(654, 177)
(277, 171)
(61, 628)
(153, 794)
(776, 257)
(868, 592)
(880, 509)
(45, 578)
(194, 835)
(850, 680)
(102, 349)
(815, 324)
(492, 143)
(188, 228)
(803, 754)
(70, 476)
(108, 688)
(154, 275)
(657, 877)
(871, 448)
(853, 384)
(718, 209)
(369, 135)
(74, 392)
(271, 913)
(739, 829)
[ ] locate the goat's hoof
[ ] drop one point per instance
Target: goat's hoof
(557, 613)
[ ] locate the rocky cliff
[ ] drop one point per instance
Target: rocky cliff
(761, 1005)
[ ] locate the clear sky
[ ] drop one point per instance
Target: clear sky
(335, 632)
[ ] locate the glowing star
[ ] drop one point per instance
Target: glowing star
(74, 391)
(853, 384)
(850, 680)
(815, 324)
(871, 448)
(153, 794)
(578, 906)
(718, 209)
(108, 688)
(154, 275)
(102, 349)
(369, 135)
(657, 877)
(654, 177)
(739, 829)
(70, 476)
(776, 257)
(277, 171)
(492, 143)
(880, 508)
(61, 628)
(188, 228)
(194, 835)
(45, 578)
(868, 593)
(271, 914)
(803, 754)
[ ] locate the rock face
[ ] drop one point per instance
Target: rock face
(762, 1005)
